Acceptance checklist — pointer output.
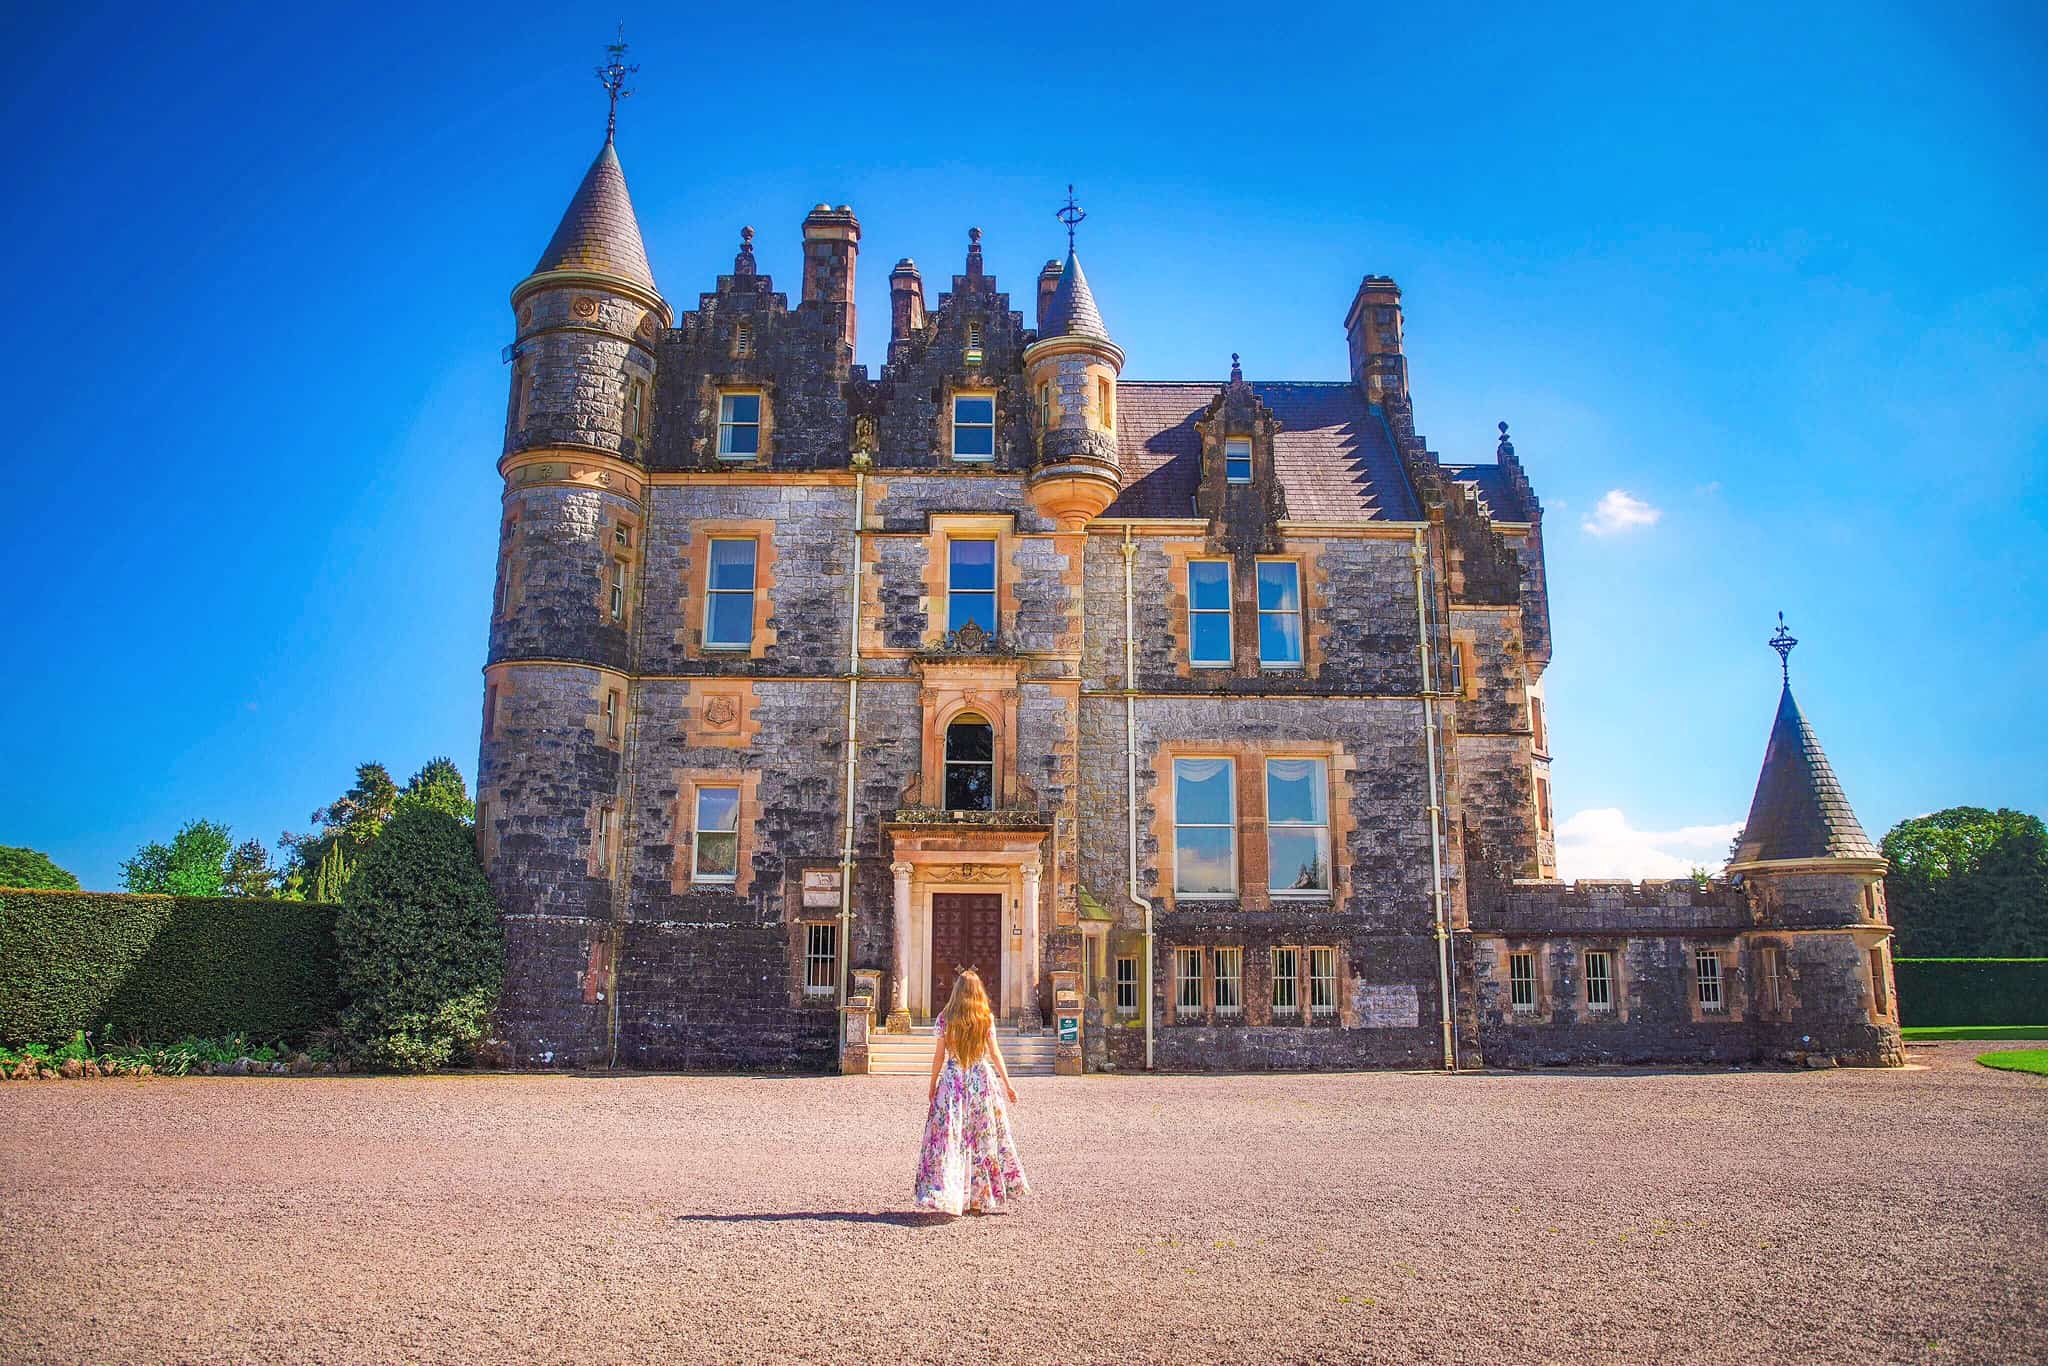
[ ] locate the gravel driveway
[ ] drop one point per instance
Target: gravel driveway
(1597, 1215)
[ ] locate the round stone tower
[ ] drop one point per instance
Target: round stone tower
(557, 687)
(1072, 371)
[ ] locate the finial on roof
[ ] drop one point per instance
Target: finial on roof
(974, 251)
(612, 76)
(743, 264)
(1782, 641)
(1236, 370)
(1506, 447)
(1071, 213)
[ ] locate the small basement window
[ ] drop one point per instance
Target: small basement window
(1522, 983)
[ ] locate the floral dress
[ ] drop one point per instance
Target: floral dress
(969, 1159)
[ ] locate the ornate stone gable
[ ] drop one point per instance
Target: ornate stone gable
(1244, 517)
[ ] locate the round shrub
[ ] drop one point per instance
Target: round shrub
(422, 954)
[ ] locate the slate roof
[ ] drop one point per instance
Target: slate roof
(1496, 496)
(1334, 459)
(599, 232)
(1072, 311)
(1799, 811)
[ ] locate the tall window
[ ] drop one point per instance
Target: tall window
(611, 714)
(1237, 460)
(974, 427)
(1126, 985)
(1771, 967)
(1044, 404)
(1322, 981)
(1279, 614)
(618, 590)
(1522, 983)
(1286, 986)
(1297, 826)
(1105, 402)
(636, 408)
(1706, 967)
(1204, 827)
(821, 958)
(490, 710)
(729, 595)
(1457, 653)
(970, 765)
(1209, 613)
(971, 583)
(739, 426)
(1599, 980)
(716, 855)
(1187, 980)
(604, 839)
(1229, 980)
(743, 340)
(1878, 995)
(1543, 805)
(1537, 737)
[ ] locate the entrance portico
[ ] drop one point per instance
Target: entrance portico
(968, 872)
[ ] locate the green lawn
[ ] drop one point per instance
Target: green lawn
(1924, 1033)
(2033, 1060)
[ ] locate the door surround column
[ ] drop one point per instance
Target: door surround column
(899, 986)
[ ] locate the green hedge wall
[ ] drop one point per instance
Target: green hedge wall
(162, 967)
(1972, 991)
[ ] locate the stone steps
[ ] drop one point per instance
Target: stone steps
(1026, 1054)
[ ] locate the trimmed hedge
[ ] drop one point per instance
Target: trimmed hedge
(161, 967)
(1972, 991)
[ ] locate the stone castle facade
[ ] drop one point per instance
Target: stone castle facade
(1205, 717)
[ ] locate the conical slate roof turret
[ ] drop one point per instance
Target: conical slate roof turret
(1072, 311)
(599, 234)
(1799, 811)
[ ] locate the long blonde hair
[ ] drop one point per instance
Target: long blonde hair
(969, 1021)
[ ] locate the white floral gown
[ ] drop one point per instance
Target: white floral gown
(969, 1157)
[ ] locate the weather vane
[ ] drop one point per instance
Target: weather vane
(1070, 213)
(1783, 641)
(612, 76)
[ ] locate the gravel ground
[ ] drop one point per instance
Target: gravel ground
(1558, 1215)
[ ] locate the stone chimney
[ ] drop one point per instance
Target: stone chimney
(831, 243)
(1048, 281)
(1373, 327)
(906, 304)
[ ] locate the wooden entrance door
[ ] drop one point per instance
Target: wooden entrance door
(967, 932)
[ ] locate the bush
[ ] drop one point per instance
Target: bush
(34, 868)
(1972, 991)
(422, 954)
(160, 967)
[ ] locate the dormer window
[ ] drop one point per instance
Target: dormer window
(1237, 460)
(974, 426)
(739, 426)
(974, 343)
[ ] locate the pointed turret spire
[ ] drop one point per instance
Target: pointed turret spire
(599, 234)
(1072, 312)
(1799, 811)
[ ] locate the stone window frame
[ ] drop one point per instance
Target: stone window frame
(759, 459)
(1218, 955)
(1877, 961)
(742, 340)
(490, 728)
(1291, 1010)
(1518, 1008)
(1539, 732)
(1229, 457)
(1772, 978)
(1714, 1002)
(809, 930)
(511, 540)
(1135, 982)
(698, 877)
(972, 354)
(1229, 613)
(634, 414)
(604, 838)
(1180, 1010)
(1340, 767)
(1105, 402)
(614, 709)
(1235, 826)
(609, 681)
(995, 702)
(953, 424)
(1334, 977)
(1539, 792)
(994, 591)
(683, 830)
(968, 715)
(1605, 957)
(694, 606)
(1292, 895)
(1300, 613)
(942, 527)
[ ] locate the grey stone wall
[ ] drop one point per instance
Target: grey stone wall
(577, 348)
(560, 552)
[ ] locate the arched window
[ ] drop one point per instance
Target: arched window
(970, 765)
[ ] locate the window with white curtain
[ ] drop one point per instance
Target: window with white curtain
(1204, 827)
(1297, 827)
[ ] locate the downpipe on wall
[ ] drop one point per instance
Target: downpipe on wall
(1436, 811)
(1144, 904)
(860, 510)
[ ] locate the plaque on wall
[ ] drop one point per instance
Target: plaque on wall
(821, 887)
(1387, 1007)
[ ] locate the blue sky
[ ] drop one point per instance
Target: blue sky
(1779, 275)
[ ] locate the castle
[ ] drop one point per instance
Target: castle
(1204, 719)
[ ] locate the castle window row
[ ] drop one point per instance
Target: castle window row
(1601, 988)
(1205, 827)
(1209, 980)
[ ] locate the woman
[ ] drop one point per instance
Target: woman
(969, 1161)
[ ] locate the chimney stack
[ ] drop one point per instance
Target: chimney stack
(1048, 281)
(906, 304)
(1373, 327)
(831, 243)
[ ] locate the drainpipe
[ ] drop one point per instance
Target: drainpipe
(1143, 903)
(860, 510)
(1436, 853)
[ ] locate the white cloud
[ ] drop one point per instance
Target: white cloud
(1601, 843)
(1620, 511)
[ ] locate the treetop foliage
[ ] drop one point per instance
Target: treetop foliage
(33, 868)
(1970, 883)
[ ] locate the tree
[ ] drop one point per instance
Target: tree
(422, 954)
(439, 786)
(248, 871)
(33, 868)
(1969, 883)
(322, 863)
(193, 864)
